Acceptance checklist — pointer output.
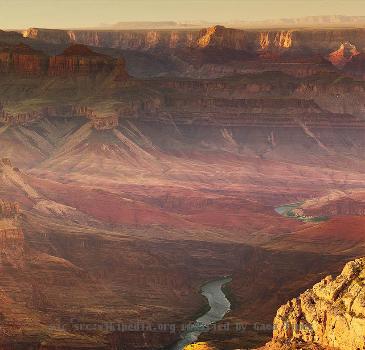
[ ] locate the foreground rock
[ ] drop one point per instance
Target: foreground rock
(330, 315)
(199, 346)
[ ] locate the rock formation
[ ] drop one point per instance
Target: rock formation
(343, 55)
(8, 209)
(200, 346)
(120, 71)
(343, 206)
(331, 314)
(105, 123)
(22, 59)
(80, 60)
(19, 118)
(219, 36)
(75, 60)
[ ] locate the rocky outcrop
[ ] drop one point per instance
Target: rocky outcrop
(82, 111)
(219, 36)
(105, 123)
(331, 314)
(19, 118)
(345, 206)
(22, 59)
(8, 209)
(80, 60)
(200, 346)
(343, 55)
(75, 60)
(54, 36)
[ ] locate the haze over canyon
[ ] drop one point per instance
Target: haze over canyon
(147, 173)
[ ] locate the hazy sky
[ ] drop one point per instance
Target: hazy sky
(19, 14)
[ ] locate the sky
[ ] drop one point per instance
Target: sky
(19, 14)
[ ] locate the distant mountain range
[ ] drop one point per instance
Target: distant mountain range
(310, 21)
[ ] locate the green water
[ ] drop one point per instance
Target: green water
(219, 306)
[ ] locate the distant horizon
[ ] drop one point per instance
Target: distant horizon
(295, 23)
(69, 14)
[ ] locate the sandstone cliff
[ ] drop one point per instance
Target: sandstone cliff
(331, 314)
(343, 55)
(200, 346)
(75, 60)
(79, 59)
(22, 59)
(324, 40)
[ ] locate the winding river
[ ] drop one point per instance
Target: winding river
(219, 306)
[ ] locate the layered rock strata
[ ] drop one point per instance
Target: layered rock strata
(324, 40)
(105, 123)
(79, 59)
(75, 60)
(22, 59)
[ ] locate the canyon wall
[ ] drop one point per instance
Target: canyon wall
(211, 52)
(129, 40)
(74, 60)
(267, 112)
(324, 40)
(22, 59)
(80, 60)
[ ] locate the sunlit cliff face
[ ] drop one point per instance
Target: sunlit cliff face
(264, 40)
(280, 40)
(284, 39)
(199, 346)
(343, 55)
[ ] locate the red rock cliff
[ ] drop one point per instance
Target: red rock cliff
(79, 59)
(22, 59)
(76, 59)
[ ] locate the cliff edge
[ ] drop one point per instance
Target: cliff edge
(330, 315)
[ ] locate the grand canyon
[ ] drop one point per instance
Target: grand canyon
(140, 167)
